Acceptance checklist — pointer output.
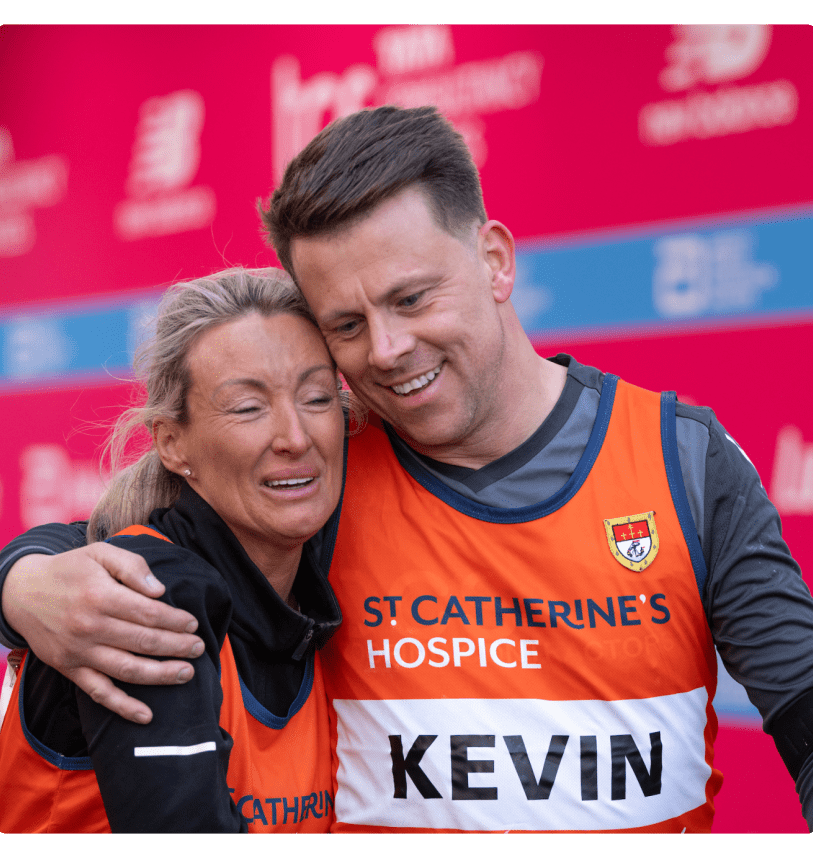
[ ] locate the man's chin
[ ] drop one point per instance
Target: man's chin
(430, 438)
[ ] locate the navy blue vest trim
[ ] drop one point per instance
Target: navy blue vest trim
(678, 489)
(269, 719)
(526, 513)
(67, 764)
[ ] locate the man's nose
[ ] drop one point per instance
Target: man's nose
(390, 340)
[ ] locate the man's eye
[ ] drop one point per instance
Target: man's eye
(410, 300)
(246, 409)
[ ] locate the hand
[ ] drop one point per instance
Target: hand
(85, 613)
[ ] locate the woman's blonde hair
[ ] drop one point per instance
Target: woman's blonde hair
(185, 311)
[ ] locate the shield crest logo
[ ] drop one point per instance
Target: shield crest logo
(633, 539)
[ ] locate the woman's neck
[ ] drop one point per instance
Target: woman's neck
(278, 567)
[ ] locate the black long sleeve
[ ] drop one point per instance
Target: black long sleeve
(170, 775)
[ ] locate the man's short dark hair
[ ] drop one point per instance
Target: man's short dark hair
(358, 161)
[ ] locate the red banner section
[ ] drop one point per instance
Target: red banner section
(49, 470)
(133, 155)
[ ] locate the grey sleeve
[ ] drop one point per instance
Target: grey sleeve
(804, 787)
(759, 608)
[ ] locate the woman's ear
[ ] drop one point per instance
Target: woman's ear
(169, 442)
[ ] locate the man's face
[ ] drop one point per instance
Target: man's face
(412, 316)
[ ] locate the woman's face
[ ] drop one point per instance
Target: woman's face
(265, 432)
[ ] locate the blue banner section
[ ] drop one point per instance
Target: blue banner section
(727, 271)
(60, 342)
(717, 271)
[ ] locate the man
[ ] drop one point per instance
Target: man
(534, 560)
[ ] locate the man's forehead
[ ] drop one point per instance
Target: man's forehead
(347, 225)
(348, 237)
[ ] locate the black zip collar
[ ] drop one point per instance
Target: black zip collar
(260, 614)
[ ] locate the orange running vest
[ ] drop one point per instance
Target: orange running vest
(279, 772)
(549, 668)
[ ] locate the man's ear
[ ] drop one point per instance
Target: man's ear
(169, 442)
(497, 246)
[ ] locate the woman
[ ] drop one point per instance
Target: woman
(245, 465)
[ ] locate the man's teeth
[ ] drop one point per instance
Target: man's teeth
(416, 383)
(295, 482)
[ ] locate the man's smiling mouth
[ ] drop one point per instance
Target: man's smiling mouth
(417, 383)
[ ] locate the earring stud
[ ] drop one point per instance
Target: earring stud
(187, 472)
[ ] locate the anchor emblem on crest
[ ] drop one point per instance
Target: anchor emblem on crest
(633, 539)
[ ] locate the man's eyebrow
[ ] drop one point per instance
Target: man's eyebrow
(418, 283)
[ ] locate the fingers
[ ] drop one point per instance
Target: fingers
(101, 690)
(103, 633)
(113, 623)
(128, 668)
(132, 571)
(68, 607)
(141, 671)
(127, 568)
(115, 615)
(90, 612)
(110, 613)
